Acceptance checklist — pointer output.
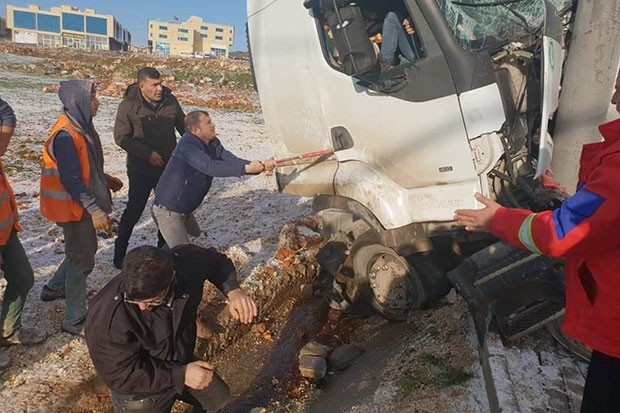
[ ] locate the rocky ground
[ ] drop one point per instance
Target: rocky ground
(428, 364)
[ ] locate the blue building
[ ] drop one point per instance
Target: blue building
(66, 26)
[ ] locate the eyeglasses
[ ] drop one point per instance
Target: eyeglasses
(149, 304)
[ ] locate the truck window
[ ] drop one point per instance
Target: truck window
(491, 24)
(369, 37)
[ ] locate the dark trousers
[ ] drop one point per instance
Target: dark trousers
(140, 187)
(211, 399)
(19, 278)
(602, 391)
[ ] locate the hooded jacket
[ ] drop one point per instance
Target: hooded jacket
(145, 352)
(75, 96)
(584, 230)
(142, 128)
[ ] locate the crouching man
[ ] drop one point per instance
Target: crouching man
(141, 328)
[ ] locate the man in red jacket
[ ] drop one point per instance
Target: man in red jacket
(583, 230)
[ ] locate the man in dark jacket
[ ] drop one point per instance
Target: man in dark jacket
(141, 328)
(187, 178)
(145, 124)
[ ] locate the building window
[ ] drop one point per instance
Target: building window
(163, 36)
(97, 43)
(74, 42)
(49, 40)
(182, 39)
(163, 27)
(204, 27)
(25, 20)
(48, 23)
(97, 25)
(230, 31)
(216, 51)
(162, 48)
(73, 22)
(219, 30)
(183, 30)
(219, 38)
(204, 36)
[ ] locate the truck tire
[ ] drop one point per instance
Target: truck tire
(391, 285)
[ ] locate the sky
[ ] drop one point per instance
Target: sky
(133, 14)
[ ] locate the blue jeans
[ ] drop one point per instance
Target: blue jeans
(175, 226)
(80, 249)
(19, 279)
(395, 38)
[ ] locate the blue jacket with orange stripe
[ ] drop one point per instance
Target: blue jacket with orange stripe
(586, 231)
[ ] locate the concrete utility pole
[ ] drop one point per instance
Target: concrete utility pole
(590, 73)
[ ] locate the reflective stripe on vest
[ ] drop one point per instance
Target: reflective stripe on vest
(7, 222)
(48, 193)
(50, 172)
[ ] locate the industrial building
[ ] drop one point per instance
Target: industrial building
(193, 37)
(66, 26)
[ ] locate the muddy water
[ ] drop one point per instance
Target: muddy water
(262, 367)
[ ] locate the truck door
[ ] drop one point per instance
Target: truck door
(410, 143)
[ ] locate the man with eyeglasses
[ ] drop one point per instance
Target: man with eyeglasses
(141, 328)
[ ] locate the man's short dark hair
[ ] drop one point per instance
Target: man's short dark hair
(192, 119)
(148, 73)
(147, 272)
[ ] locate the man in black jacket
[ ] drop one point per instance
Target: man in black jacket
(144, 127)
(141, 328)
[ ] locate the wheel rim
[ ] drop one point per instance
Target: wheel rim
(389, 278)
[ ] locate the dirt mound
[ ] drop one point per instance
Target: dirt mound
(209, 83)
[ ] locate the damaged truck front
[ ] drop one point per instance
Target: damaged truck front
(412, 143)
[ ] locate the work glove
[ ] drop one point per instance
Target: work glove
(114, 183)
(101, 220)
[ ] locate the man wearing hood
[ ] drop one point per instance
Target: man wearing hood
(145, 125)
(75, 195)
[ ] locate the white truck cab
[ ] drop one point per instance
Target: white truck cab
(413, 142)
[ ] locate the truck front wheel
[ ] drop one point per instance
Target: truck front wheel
(388, 281)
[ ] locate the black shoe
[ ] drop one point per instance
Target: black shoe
(73, 329)
(47, 294)
(24, 336)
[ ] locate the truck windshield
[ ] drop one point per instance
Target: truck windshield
(491, 24)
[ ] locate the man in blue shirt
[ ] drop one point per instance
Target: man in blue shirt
(197, 159)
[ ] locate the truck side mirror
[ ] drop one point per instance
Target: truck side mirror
(356, 52)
